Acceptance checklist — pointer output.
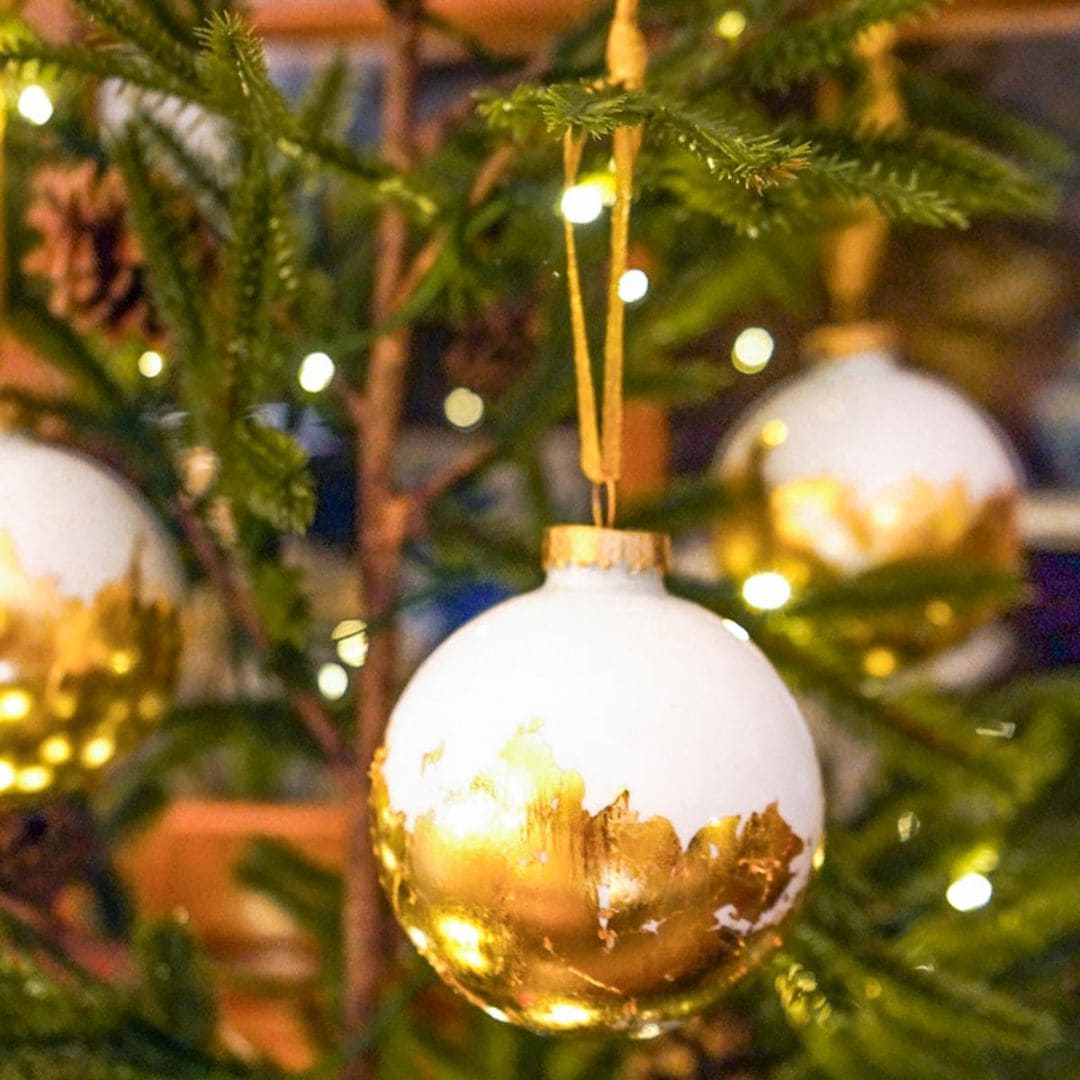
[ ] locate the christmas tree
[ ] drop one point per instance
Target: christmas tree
(219, 274)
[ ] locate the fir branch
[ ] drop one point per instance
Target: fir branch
(167, 149)
(28, 56)
(175, 289)
(153, 41)
(265, 470)
(757, 161)
(309, 893)
(795, 50)
(908, 586)
(934, 101)
(33, 324)
(232, 70)
(926, 177)
(175, 992)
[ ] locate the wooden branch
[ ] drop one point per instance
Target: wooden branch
(381, 526)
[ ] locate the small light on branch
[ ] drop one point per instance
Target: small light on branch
(35, 105)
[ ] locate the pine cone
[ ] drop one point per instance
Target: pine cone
(89, 253)
(494, 350)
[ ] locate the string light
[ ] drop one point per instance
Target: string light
(970, 892)
(35, 105)
(753, 349)
(730, 25)
(351, 641)
(583, 203)
(633, 286)
(767, 591)
(333, 682)
(316, 372)
(151, 364)
(464, 409)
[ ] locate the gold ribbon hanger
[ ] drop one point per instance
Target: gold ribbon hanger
(602, 444)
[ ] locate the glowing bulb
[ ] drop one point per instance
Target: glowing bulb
(151, 364)
(34, 105)
(316, 372)
(333, 682)
(15, 705)
(464, 409)
(753, 349)
(97, 751)
(56, 750)
(879, 662)
(7, 775)
(774, 433)
(970, 892)
(730, 25)
(633, 286)
(34, 778)
(351, 641)
(767, 591)
(582, 204)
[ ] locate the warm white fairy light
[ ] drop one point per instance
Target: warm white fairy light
(583, 203)
(151, 364)
(730, 25)
(316, 372)
(35, 105)
(463, 408)
(350, 639)
(333, 682)
(767, 591)
(753, 349)
(970, 892)
(633, 286)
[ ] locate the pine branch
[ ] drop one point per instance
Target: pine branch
(153, 41)
(175, 993)
(33, 324)
(176, 292)
(794, 50)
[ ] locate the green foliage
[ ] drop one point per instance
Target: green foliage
(880, 977)
(176, 994)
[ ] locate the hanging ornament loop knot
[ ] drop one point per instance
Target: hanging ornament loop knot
(602, 445)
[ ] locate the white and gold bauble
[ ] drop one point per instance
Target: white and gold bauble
(859, 464)
(89, 625)
(597, 806)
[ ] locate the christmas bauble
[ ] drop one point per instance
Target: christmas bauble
(860, 464)
(89, 628)
(597, 805)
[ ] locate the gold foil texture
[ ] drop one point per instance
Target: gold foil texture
(79, 682)
(561, 920)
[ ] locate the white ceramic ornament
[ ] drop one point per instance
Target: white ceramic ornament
(597, 805)
(858, 464)
(89, 625)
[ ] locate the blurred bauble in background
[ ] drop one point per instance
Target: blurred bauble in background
(859, 466)
(597, 806)
(89, 619)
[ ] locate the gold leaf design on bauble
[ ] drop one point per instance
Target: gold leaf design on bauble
(558, 919)
(79, 682)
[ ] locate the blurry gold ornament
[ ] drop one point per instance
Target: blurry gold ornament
(858, 464)
(89, 626)
(597, 806)
(879, 467)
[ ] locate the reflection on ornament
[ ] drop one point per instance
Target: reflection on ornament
(87, 661)
(859, 465)
(597, 806)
